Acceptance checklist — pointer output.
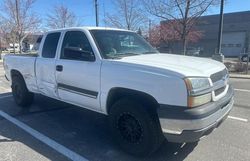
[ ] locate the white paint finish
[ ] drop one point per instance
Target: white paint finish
(83, 75)
(45, 75)
(25, 65)
(46, 69)
(176, 64)
(159, 75)
(46, 140)
(242, 90)
(158, 83)
(238, 118)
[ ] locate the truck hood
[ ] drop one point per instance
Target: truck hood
(183, 65)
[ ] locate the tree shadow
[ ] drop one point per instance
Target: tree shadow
(173, 151)
(10, 133)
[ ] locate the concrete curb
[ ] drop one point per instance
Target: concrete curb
(239, 76)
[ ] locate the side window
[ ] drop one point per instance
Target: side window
(50, 45)
(76, 47)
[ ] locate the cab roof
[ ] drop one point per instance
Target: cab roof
(89, 28)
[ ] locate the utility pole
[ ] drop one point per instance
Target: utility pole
(218, 55)
(96, 13)
(220, 28)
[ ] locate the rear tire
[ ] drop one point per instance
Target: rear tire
(21, 95)
(134, 129)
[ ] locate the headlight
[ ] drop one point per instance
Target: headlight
(198, 91)
(194, 84)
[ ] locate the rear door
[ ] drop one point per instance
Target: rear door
(45, 65)
(78, 78)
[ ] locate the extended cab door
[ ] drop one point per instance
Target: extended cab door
(45, 65)
(78, 71)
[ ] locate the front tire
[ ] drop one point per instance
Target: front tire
(21, 95)
(134, 128)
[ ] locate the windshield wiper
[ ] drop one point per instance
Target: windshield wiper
(121, 55)
(128, 54)
(150, 52)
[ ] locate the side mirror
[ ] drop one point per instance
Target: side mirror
(76, 53)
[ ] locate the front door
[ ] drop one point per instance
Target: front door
(78, 78)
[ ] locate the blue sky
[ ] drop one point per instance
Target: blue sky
(233, 6)
(84, 9)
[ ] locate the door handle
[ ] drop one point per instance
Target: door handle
(59, 68)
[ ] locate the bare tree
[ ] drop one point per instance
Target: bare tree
(185, 13)
(128, 15)
(18, 20)
(61, 17)
(166, 33)
(3, 34)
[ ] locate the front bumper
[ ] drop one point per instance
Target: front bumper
(183, 124)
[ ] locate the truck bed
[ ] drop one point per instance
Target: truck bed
(26, 55)
(23, 63)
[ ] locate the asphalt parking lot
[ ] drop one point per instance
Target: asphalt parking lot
(52, 130)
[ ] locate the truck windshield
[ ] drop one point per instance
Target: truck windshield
(114, 44)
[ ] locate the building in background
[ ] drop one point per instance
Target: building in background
(236, 35)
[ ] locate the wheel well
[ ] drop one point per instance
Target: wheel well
(117, 93)
(16, 73)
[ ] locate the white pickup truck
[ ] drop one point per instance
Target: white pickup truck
(147, 96)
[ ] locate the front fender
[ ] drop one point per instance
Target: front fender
(165, 88)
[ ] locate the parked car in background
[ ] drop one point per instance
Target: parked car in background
(245, 57)
(193, 51)
(13, 48)
(36, 46)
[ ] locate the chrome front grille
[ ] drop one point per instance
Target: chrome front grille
(220, 84)
(219, 76)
